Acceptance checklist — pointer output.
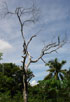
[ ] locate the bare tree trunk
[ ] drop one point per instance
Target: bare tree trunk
(25, 84)
(25, 89)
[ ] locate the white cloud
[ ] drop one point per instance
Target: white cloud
(33, 83)
(4, 46)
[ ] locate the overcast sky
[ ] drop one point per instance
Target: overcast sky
(54, 21)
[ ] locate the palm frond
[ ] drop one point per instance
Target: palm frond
(61, 76)
(51, 70)
(63, 71)
(48, 76)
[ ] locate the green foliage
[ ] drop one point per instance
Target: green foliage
(55, 69)
(11, 78)
(50, 90)
(5, 97)
(1, 56)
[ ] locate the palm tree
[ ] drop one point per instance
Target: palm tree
(55, 69)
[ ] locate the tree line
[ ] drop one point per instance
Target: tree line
(55, 87)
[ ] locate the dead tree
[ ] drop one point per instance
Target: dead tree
(51, 47)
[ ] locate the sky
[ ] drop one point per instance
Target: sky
(54, 21)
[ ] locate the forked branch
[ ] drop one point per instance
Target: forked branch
(53, 47)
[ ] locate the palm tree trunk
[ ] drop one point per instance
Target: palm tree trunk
(56, 76)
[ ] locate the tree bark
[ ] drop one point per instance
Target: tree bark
(25, 88)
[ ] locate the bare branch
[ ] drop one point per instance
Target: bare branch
(54, 50)
(43, 60)
(33, 36)
(12, 13)
(28, 20)
(29, 61)
(53, 47)
(47, 47)
(34, 61)
(30, 39)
